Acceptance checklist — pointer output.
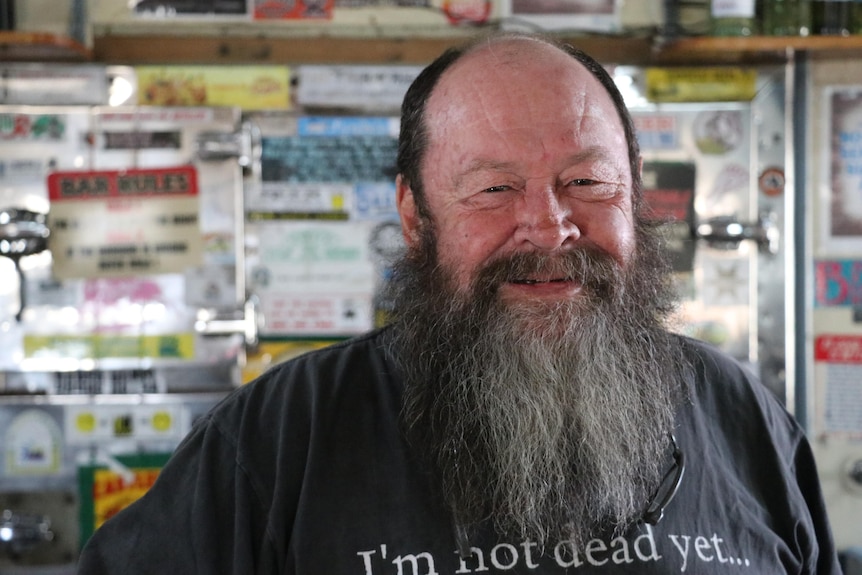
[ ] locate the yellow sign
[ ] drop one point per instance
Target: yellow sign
(270, 353)
(112, 494)
(169, 346)
(708, 84)
(246, 87)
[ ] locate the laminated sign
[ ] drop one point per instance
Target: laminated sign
(129, 222)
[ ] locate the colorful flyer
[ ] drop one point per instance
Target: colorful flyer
(246, 87)
(105, 492)
(837, 283)
(293, 9)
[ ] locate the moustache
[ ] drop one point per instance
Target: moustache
(598, 273)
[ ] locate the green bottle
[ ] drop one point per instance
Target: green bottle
(831, 17)
(733, 17)
(856, 18)
(787, 17)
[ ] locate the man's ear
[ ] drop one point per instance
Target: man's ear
(408, 211)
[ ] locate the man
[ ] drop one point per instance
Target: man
(527, 411)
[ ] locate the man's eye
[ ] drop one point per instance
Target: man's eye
(497, 189)
(582, 182)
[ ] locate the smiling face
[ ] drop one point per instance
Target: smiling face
(524, 310)
(526, 153)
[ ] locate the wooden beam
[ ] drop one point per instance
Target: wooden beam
(164, 48)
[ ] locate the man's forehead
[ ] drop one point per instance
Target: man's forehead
(490, 69)
(506, 76)
(515, 55)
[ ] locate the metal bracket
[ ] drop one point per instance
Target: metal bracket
(243, 147)
(726, 233)
(209, 324)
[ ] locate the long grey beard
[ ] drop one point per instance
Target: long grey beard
(550, 420)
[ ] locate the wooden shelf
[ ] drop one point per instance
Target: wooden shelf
(40, 47)
(284, 48)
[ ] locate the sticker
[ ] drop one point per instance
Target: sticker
(316, 170)
(657, 132)
(33, 127)
(725, 282)
(317, 315)
(302, 200)
(718, 132)
(381, 87)
(140, 140)
(33, 444)
(293, 9)
(375, 201)
(837, 283)
(88, 424)
(728, 186)
(771, 182)
(712, 84)
(467, 11)
(53, 84)
(386, 243)
(168, 346)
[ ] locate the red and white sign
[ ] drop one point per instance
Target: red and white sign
(126, 222)
(838, 349)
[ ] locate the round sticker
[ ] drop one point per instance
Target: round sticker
(467, 11)
(771, 182)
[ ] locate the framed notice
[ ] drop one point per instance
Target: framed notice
(669, 193)
(129, 222)
(204, 8)
(838, 366)
(592, 15)
(841, 176)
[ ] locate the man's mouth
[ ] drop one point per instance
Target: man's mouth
(537, 281)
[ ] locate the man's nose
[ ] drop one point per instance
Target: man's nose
(544, 220)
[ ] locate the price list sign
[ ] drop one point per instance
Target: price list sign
(128, 222)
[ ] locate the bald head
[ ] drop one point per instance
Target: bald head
(514, 54)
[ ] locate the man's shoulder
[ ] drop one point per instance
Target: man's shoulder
(711, 365)
(722, 384)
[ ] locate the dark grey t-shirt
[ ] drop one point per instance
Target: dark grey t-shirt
(305, 471)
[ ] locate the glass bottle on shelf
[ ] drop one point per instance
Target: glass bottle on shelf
(692, 16)
(733, 17)
(831, 17)
(786, 17)
(856, 18)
